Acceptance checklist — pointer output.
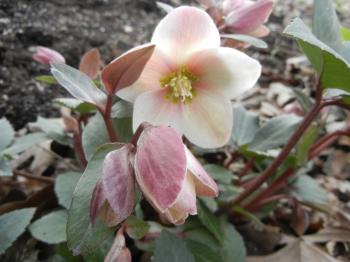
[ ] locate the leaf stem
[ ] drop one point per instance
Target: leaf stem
(106, 114)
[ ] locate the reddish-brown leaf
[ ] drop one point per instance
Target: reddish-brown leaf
(90, 63)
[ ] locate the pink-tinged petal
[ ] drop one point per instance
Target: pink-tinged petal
(90, 63)
(204, 184)
(100, 207)
(118, 182)
(225, 70)
(157, 67)
(183, 31)
(119, 252)
(185, 203)
(127, 68)
(230, 5)
(160, 165)
(154, 108)
(208, 119)
(246, 19)
(97, 201)
(261, 31)
(45, 56)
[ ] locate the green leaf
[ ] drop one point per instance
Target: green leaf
(245, 126)
(325, 23)
(53, 129)
(47, 79)
(23, 143)
(78, 84)
(7, 133)
(202, 253)
(308, 190)
(275, 132)
(81, 236)
(95, 133)
(12, 225)
(170, 248)
(329, 64)
(345, 33)
(122, 109)
(219, 173)
(305, 143)
(5, 168)
(75, 105)
(210, 221)
(304, 101)
(136, 228)
(50, 228)
(233, 245)
(64, 187)
(247, 39)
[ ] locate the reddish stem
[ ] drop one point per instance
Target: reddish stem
(248, 166)
(106, 114)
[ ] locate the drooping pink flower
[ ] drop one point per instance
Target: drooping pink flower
(189, 80)
(166, 172)
(247, 17)
(45, 56)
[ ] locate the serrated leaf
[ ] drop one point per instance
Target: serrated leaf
(47, 79)
(170, 248)
(210, 221)
(78, 84)
(136, 228)
(12, 225)
(64, 187)
(245, 126)
(50, 228)
(81, 236)
(75, 105)
(247, 39)
(219, 173)
(275, 133)
(308, 190)
(53, 129)
(23, 143)
(329, 64)
(7, 133)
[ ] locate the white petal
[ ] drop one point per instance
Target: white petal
(157, 67)
(208, 119)
(185, 30)
(152, 107)
(225, 70)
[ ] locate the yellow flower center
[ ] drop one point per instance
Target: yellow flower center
(179, 84)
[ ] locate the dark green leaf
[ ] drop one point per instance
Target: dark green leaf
(245, 126)
(305, 101)
(219, 173)
(64, 187)
(12, 225)
(202, 253)
(7, 133)
(308, 190)
(275, 132)
(47, 79)
(136, 228)
(170, 248)
(233, 245)
(210, 221)
(247, 39)
(50, 228)
(81, 236)
(75, 105)
(305, 143)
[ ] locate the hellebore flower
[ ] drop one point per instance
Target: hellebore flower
(247, 17)
(166, 172)
(189, 80)
(45, 56)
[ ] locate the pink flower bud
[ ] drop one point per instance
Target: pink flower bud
(45, 56)
(247, 17)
